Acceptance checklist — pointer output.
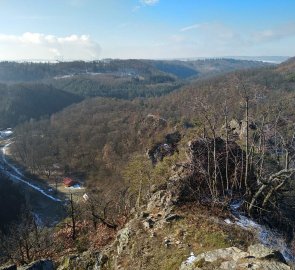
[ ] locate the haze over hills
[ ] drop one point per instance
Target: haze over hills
(36, 90)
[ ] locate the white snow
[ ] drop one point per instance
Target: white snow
(227, 221)
(76, 186)
(5, 133)
(191, 258)
(17, 175)
(265, 235)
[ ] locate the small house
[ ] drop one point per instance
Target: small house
(68, 182)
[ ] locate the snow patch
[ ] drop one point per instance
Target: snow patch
(16, 174)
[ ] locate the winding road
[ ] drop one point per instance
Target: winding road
(46, 206)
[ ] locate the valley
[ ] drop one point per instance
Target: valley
(156, 146)
(48, 208)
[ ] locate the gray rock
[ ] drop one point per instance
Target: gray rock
(172, 217)
(84, 261)
(231, 253)
(148, 223)
(261, 251)
(258, 257)
(123, 239)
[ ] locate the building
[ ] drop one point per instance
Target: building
(68, 182)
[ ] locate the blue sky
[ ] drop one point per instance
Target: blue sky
(95, 29)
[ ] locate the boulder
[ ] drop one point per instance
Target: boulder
(123, 239)
(257, 257)
(85, 261)
(166, 148)
(262, 252)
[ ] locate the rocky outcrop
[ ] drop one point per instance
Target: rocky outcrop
(151, 125)
(166, 148)
(237, 129)
(85, 261)
(256, 257)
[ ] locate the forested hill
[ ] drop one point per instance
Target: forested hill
(38, 89)
(120, 128)
(20, 72)
(22, 102)
(128, 151)
(204, 68)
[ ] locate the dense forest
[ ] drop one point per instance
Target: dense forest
(22, 102)
(21, 72)
(34, 90)
(98, 129)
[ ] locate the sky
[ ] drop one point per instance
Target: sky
(155, 29)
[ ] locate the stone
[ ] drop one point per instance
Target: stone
(148, 223)
(123, 239)
(260, 251)
(172, 217)
(85, 261)
(232, 253)
(258, 257)
(144, 214)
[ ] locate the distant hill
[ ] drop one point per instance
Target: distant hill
(287, 69)
(206, 67)
(148, 69)
(22, 102)
(287, 66)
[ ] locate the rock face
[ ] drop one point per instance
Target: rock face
(237, 129)
(84, 261)
(256, 257)
(165, 148)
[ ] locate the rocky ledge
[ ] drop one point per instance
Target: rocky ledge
(256, 257)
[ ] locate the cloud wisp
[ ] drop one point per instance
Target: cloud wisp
(149, 2)
(190, 27)
(50, 47)
(144, 3)
(280, 32)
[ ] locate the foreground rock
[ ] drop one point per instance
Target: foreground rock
(256, 257)
(84, 261)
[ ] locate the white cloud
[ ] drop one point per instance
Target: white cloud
(149, 2)
(277, 33)
(48, 47)
(144, 3)
(190, 27)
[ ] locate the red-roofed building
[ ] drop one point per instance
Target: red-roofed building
(68, 182)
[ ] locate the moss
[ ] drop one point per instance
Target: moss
(196, 232)
(173, 261)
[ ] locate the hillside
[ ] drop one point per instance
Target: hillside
(115, 127)
(22, 72)
(287, 66)
(22, 102)
(158, 167)
(205, 68)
